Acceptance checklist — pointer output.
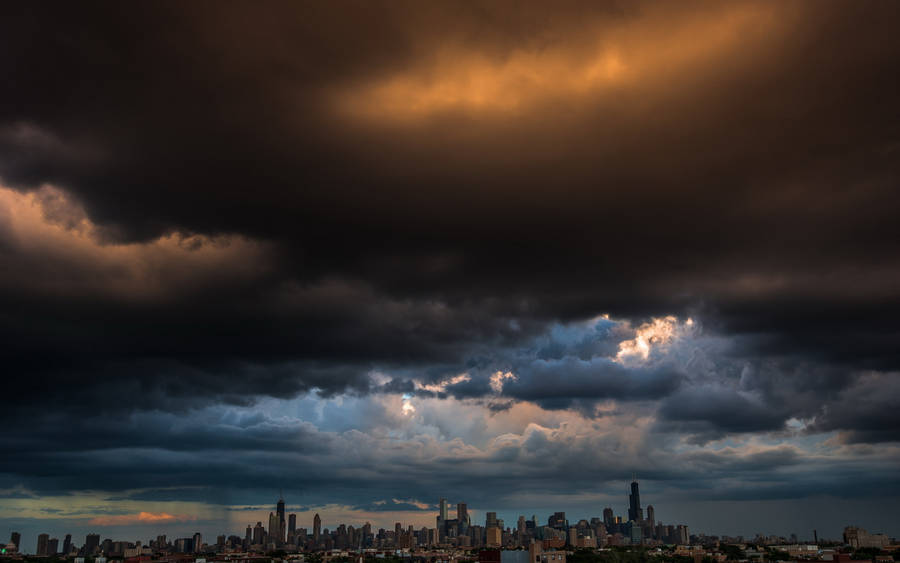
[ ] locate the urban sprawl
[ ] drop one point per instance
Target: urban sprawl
(639, 537)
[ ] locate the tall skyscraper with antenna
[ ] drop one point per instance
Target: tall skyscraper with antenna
(282, 523)
(635, 512)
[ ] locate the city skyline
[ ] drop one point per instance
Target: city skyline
(312, 524)
(509, 253)
(284, 533)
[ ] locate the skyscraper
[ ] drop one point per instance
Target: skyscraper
(651, 515)
(15, 538)
(274, 529)
(558, 521)
(609, 519)
(42, 541)
(462, 513)
(198, 542)
(317, 527)
(52, 546)
(490, 520)
(462, 519)
(634, 500)
(442, 517)
(282, 522)
(91, 544)
(292, 524)
(494, 537)
(67, 544)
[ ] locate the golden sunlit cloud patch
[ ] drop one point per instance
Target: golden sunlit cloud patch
(642, 52)
(77, 259)
(657, 332)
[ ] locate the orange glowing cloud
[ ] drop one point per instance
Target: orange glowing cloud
(75, 258)
(641, 52)
(140, 518)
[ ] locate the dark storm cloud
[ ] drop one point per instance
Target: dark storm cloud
(550, 381)
(761, 175)
(869, 410)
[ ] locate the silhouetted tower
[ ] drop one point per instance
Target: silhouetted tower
(634, 500)
(462, 512)
(282, 522)
(609, 518)
(42, 541)
(317, 527)
(91, 544)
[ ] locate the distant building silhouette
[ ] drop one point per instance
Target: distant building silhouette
(91, 544)
(42, 541)
(490, 520)
(635, 512)
(609, 519)
(317, 527)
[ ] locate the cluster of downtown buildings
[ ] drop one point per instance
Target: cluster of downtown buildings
(541, 541)
(460, 532)
(282, 534)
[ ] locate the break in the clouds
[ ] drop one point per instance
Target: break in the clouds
(374, 254)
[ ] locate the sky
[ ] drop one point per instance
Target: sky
(508, 253)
